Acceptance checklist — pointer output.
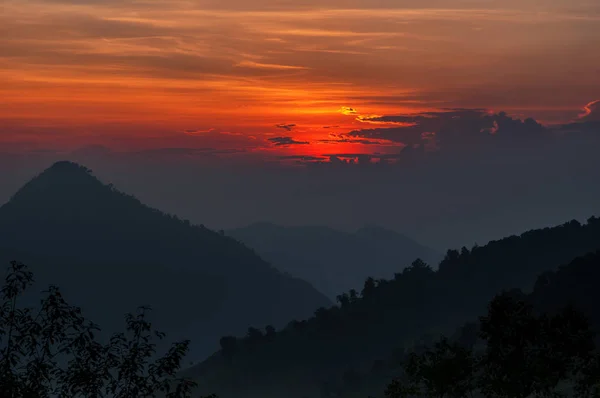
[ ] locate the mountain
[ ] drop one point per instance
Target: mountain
(313, 357)
(110, 253)
(574, 284)
(333, 261)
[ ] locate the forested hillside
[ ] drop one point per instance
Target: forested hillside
(333, 261)
(106, 250)
(312, 356)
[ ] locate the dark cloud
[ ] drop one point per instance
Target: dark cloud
(333, 159)
(285, 141)
(360, 159)
(366, 155)
(284, 126)
(346, 110)
(369, 155)
(302, 157)
(452, 128)
(351, 141)
(429, 119)
(445, 198)
(341, 138)
(330, 127)
(404, 135)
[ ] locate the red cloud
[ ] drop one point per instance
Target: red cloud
(591, 111)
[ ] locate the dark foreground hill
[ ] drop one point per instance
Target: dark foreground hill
(109, 253)
(312, 358)
(333, 261)
(574, 284)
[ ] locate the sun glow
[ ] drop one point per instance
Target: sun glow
(129, 69)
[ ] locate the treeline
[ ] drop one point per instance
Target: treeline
(341, 344)
(518, 354)
(420, 298)
(541, 344)
(52, 351)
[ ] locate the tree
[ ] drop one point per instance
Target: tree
(353, 295)
(399, 388)
(270, 333)
(52, 351)
(325, 318)
(587, 381)
(510, 331)
(530, 354)
(369, 288)
(446, 370)
(253, 336)
(229, 346)
(343, 299)
(527, 354)
(418, 270)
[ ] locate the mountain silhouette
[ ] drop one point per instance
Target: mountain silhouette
(375, 323)
(109, 252)
(333, 261)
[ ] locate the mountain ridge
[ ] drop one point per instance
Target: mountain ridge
(67, 213)
(333, 261)
(313, 355)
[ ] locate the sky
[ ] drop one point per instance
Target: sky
(274, 78)
(451, 120)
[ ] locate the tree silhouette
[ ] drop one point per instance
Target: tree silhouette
(253, 336)
(229, 346)
(52, 351)
(587, 383)
(528, 353)
(343, 299)
(399, 388)
(270, 333)
(446, 370)
(369, 287)
(421, 300)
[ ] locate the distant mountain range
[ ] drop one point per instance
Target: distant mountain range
(110, 253)
(334, 261)
(353, 350)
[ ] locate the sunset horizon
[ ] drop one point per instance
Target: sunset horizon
(300, 199)
(274, 80)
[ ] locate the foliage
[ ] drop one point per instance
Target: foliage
(367, 325)
(446, 370)
(588, 378)
(52, 351)
(229, 346)
(526, 354)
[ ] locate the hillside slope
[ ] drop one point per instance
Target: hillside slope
(574, 283)
(333, 261)
(308, 356)
(110, 250)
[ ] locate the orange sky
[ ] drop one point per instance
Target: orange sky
(222, 74)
